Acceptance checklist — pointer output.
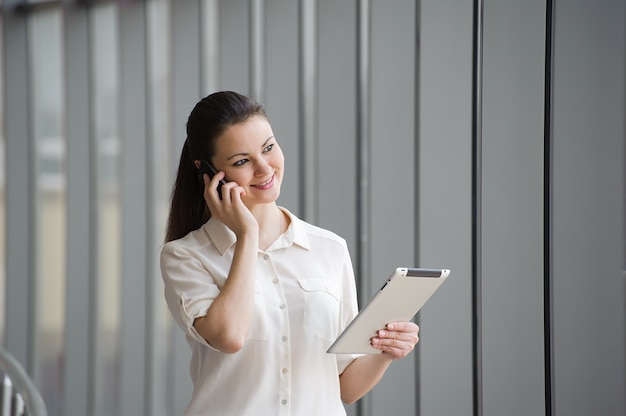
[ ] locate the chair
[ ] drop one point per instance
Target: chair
(18, 394)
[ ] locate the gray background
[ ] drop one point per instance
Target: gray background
(480, 136)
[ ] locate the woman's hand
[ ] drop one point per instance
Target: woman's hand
(230, 209)
(397, 340)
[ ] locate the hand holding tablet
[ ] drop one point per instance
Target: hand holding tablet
(399, 299)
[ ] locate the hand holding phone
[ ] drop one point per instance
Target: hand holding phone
(206, 167)
(233, 213)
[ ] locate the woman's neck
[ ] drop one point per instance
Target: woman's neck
(272, 223)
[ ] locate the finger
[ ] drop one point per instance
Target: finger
(403, 326)
(400, 335)
(219, 190)
(393, 348)
(404, 341)
(408, 344)
(395, 353)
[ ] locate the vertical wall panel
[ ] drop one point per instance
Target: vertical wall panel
(282, 91)
(234, 46)
(392, 172)
(512, 208)
(160, 108)
(588, 208)
(308, 110)
(78, 368)
(444, 155)
(336, 168)
(187, 53)
(257, 49)
(106, 228)
(133, 133)
(186, 92)
(210, 45)
(19, 189)
(45, 68)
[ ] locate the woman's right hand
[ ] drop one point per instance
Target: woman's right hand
(230, 209)
(227, 321)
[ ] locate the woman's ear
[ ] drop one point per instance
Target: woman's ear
(197, 163)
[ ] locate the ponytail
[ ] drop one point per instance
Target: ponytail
(188, 209)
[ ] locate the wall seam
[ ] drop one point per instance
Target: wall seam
(547, 210)
(477, 75)
(363, 194)
(416, 161)
(307, 110)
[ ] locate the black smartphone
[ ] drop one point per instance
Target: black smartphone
(206, 167)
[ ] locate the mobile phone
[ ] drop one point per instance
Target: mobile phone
(206, 167)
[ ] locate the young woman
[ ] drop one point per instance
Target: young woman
(259, 293)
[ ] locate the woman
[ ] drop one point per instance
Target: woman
(259, 293)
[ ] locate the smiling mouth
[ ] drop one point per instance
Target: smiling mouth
(266, 184)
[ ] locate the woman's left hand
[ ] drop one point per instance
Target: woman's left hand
(397, 340)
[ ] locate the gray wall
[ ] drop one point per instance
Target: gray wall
(487, 137)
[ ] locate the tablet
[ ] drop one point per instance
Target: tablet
(399, 299)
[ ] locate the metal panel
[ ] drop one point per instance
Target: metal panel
(79, 331)
(588, 208)
(186, 91)
(19, 190)
(445, 173)
(209, 27)
(308, 110)
(512, 208)
(133, 134)
(257, 43)
(281, 91)
(336, 167)
(45, 67)
(234, 44)
(159, 182)
(337, 124)
(392, 170)
(106, 228)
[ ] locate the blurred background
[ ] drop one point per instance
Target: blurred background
(484, 136)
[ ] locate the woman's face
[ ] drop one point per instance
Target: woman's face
(249, 155)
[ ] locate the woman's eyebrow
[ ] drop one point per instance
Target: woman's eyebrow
(246, 154)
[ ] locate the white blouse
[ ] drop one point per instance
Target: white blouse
(305, 295)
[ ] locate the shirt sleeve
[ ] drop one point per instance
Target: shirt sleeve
(189, 287)
(349, 307)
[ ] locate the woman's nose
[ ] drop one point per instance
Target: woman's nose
(262, 168)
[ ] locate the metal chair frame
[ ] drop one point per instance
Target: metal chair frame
(18, 394)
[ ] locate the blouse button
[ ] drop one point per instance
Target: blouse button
(284, 370)
(283, 306)
(275, 281)
(284, 338)
(284, 401)
(266, 257)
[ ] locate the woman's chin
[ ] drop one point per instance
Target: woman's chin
(266, 196)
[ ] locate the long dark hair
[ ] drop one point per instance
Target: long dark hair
(208, 121)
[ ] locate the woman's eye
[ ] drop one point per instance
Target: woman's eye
(268, 148)
(240, 162)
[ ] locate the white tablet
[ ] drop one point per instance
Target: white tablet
(399, 299)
